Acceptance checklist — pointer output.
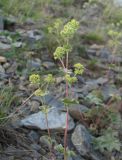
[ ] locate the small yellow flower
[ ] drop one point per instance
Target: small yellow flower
(34, 79)
(79, 68)
(70, 79)
(40, 92)
(49, 78)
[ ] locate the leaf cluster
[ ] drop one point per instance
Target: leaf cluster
(108, 141)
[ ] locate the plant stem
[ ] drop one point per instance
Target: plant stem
(62, 63)
(67, 61)
(48, 130)
(65, 136)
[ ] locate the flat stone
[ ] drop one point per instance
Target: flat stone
(2, 69)
(77, 110)
(17, 44)
(1, 23)
(108, 91)
(56, 121)
(34, 64)
(82, 140)
(35, 34)
(48, 65)
(4, 46)
(2, 59)
(33, 136)
(35, 106)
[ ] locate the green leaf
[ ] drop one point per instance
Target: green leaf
(68, 101)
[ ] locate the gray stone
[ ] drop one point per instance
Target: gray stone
(2, 69)
(115, 59)
(1, 23)
(36, 147)
(34, 64)
(17, 44)
(53, 102)
(56, 121)
(77, 110)
(119, 2)
(4, 46)
(90, 85)
(101, 81)
(2, 59)
(108, 91)
(104, 53)
(45, 142)
(35, 34)
(12, 68)
(35, 106)
(33, 136)
(82, 140)
(48, 65)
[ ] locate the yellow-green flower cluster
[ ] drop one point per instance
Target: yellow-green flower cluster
(34, 79)
(67, 48)
(70, 79)
(45, 109)
(49, 78)
(58, 23)
(40, 92)
(61, 51)
(79, 68)
(56, 26)
(114, 34)
(69, 29)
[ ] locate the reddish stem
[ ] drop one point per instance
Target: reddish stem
(66, 89)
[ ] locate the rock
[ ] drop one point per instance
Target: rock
(82, 140)
(34, 64)
(90, 85)
(35, 34)
(2, 69)
(101, 81)
(118, 2)
(104, 55)
(36, 147)
(81, 79)
(93, 84)
(97, 52)
(48, 65)
(53, 102)
(115, 59)
(1, 23)
(59, 80)
(33, 136)
(9, 23)
(2, 59)
(45, 142)
(17, 44)
(56, 121)
(6, 65)
(12, 68)
(35, 106)
(4, 46)
(77, 157)
(77, 110)
(109, 90)
(29, 21)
